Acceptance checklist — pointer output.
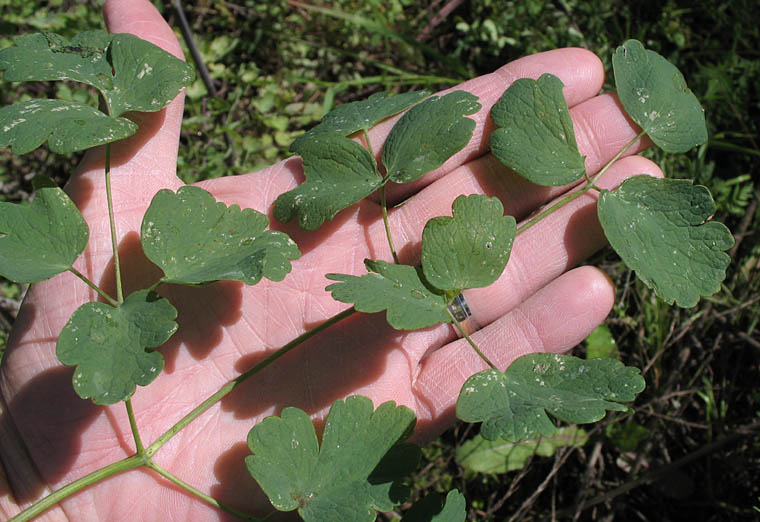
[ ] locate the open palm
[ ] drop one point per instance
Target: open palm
(539, 304)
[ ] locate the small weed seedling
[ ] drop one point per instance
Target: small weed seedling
(661, 228)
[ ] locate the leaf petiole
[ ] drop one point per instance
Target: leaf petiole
(112, 223)
(139, 448)
(383, 203)
(469, 340)
(95, 287)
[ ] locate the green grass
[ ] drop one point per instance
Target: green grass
(278, 66)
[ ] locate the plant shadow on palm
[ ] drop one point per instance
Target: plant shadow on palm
(50, 418)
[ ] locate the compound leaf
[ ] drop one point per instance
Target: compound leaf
(654, 94)
(429, 134)
(356, 471)
(67, 126)
(470, 249)
(132, 74)
(197, 240)
(399, 289)
(513, 405)
(110, 346)
(660, 229)
(41, 239)
(536, 137)
(434, 508)
(339, 172)
(501, 456)
(352, 117)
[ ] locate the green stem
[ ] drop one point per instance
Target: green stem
(69, 489)
(469, 340)
(618, 155)
(190, 489)
(383, 202)
(133, 425)
(95, 287)
(112, 223)
(227, 388)
(590, 184)
(387, 224)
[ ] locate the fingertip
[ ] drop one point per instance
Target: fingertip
(580, 70)
(142, 19)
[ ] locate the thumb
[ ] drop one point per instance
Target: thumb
(145, 162)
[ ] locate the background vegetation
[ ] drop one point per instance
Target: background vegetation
(691, 448)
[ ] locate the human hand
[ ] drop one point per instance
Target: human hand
(539, 304)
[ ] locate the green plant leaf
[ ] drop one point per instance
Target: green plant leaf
(501, 456)
(470, 249)
(352, 117)
(435, 508)
(654, 94)
(626, 436)
(146, 78)
(197, 240)
(41, 239)
(132, 74)
(399, 289)
(66, 126)
(536, 137)
(110, 346)
(429, 134)
(660, 229)
(339, 172)
(601, 343)
(350, 476)
(513, 405)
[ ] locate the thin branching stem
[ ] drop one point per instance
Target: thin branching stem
(590, 184)
(112, 223)
(193, 491)
(95, 287)
(227, 388)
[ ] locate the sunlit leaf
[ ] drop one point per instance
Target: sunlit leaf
(660, 228)
(66, 126)
(428, 134)
(514, 405)
(352, 117)
(470, 249)
(399, 289)
(339, 172)
(110, 347)
(435, 508)
(41, 239)
(196, 239)
(501, 456)
(654, 94)
(356, 471)
(536, 137)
